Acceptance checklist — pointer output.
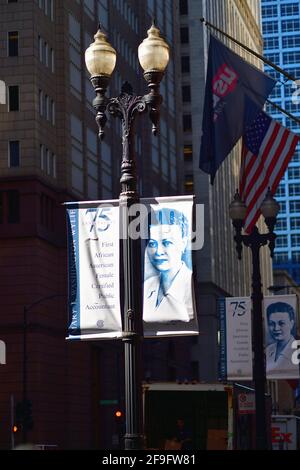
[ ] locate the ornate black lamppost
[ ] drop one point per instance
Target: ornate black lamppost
(100, 60)
(255, 240)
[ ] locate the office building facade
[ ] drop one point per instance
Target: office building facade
(49, 154)
(281, 33)
(219, 273)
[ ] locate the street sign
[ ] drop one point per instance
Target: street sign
(246, 402)
(2, 352)
(108, 402)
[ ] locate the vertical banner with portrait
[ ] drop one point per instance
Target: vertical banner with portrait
(93, 270)
(169, 306)
(282, 357)
(235, 338)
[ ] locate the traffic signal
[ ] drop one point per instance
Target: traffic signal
(119, 419)
(15, 429)
(119, 426)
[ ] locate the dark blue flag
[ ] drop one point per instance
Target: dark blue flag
(230, 83)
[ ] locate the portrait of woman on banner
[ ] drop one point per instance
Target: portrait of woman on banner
(168, 284)
(281, 337)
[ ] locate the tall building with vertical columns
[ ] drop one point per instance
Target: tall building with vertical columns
(219, 273)
(50, 153)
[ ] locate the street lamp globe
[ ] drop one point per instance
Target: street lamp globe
(270, 206)
(237, 208)
(153, 52)
(100, 56)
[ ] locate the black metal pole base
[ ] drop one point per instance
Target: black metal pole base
(133, 442)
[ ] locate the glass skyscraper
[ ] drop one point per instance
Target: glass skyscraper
(281, 33)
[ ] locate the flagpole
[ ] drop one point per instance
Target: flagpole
(261, 57)
(291, 116)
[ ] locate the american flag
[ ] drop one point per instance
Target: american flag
(267, 149)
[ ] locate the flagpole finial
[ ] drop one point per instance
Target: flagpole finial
(202, 20)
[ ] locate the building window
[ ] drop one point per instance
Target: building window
(281, 225)
(271, 43)
(48, 161)
(46, 47)
(12, 1)
(276, 93)
(296, 256)
(294, 207)
(295, 240)
(13, 43)
(188, 152)
(185, 64)
(186, 93)
(294, 173)
(289, 25)
(280, 191)
(13, 200)
(295, 223)
(184, 35)
(13, 98)
(269, 11)
(290, 42)
(187, 123)
(282, 205)
(183, 7)
(294, 189)
(54, 168)
(52, 113)
(51, 9)
(189, 184)
(281, 258)
(40, 49)
(14, 154)
(292, 57)
(281, 241)
(52, 60)
(296, 157)
(290, 9)
(273, 57)
(41, 102)
(42, 157)
(47, 110)
(270, 27)
(47, 208)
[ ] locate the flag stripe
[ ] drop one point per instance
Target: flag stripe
(266, 166)
(292, 150)
(266, 169)
(264, 159)
(274, 169)
(276, 174)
